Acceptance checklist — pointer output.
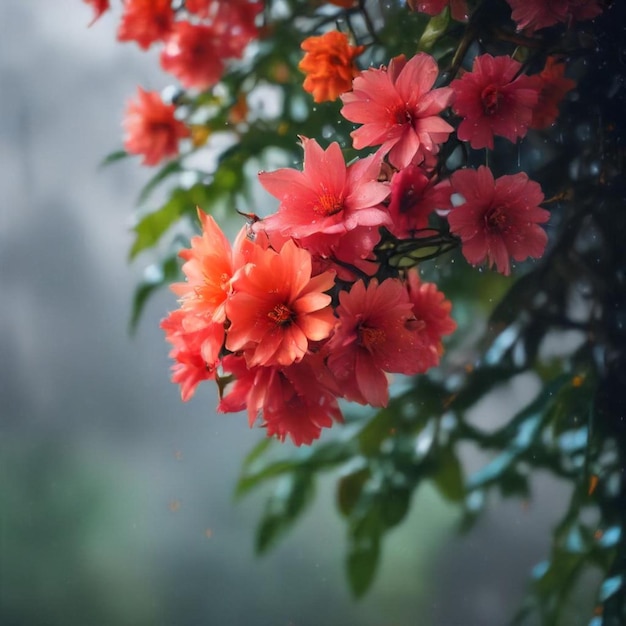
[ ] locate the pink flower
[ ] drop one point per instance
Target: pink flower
(458, 8)
(99, 7)
(534, 15)
(554, 86)
(145, 21)
(298, 400)
(432, 314)
(195, 54)
(494, 100)
(326, 197)
(399, 109)
(499, 219)
(376, 333)
(414, 196)
(348, 254)
(277, 308)
(151, 128)
(299, 404)
(190, 368)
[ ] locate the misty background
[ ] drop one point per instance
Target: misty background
(116, 499)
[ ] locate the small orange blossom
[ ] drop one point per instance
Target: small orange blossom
(329, 65)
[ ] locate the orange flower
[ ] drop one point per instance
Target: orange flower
(329, 65)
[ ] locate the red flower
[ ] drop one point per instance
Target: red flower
(554, 86)
(195, 54)
(99, 7)
(432, 314)
(329, 65)
(414, 196)
(533, 15)
(277, 308)
(376, 333)
(499, 219)
(191, 367)
(458, 8)
(326, 197)
(493, 101)
(151, 128)
(145, 21)
(234, 21)
(345, 253)
(297, 401)
(399, 109)
(301, 402)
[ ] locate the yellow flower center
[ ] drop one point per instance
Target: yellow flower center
(281, 315)
(370, 338)
(328, 204)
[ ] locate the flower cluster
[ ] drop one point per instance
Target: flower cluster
(533, 15)
(286, 338)
(305, 308)
(197, 42)
(323, 299)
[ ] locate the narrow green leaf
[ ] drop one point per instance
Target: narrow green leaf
(156, 276)
(394, 506)
(173, 167)
(436, 27)
(448, 477)
(153, 225)
(290, 498)
(375, 431)
(257, 451)
(250, 481)
(362, 562)
(113, 157)
(349, 489)
(331, 453)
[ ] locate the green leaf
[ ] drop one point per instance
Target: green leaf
(395, 504)
(362, 562)
(375, 431)
(257, 451)
(330, 454)
(154, 225)
(156, 276)
(272, 470)
(319, 457)
(173, 167)
(448, 476)
(113, 157)
(349, 489)
(435, 28)
(290, 498)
